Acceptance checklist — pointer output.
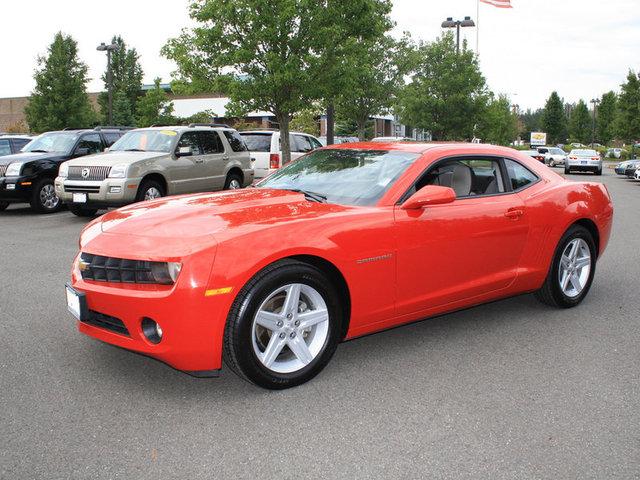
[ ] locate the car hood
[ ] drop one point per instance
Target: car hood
(109, 159)
(25, 157)
(222, 214)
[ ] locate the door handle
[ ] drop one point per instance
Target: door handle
(517, 213)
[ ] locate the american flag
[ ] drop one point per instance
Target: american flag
(498, 3)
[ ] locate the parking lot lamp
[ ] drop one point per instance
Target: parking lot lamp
(595, 102)
(451, 23)
(109, 48)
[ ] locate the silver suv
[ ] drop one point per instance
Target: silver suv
(149, 163)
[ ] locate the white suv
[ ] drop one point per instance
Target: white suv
(266, 151)
(553, 156)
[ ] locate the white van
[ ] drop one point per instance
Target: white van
(266, 152)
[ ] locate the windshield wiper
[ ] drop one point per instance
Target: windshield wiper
(316, 197)
(134, 150)
(39, 151)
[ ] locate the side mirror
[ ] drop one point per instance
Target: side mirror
(429, 195)
(184, 152)
(81, 152)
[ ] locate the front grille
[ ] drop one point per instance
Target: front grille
(82, 188)
(88, 173)
(3, 170)
(107, 322)
(117, 270)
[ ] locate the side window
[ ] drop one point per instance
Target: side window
(111, 137)
(467, 176)
(19, 143)
(235, 140)
(190, 139)
(92, 142)
(519, 176)
(302, 144)
(314, 143)
(5, 147)
(211, 143)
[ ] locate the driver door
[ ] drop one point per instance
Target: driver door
(460, 250)
(187, 172)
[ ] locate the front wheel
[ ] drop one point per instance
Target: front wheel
(233, 182)
(150, 190)
(44, 198)
(3, 205)
(572, 269)
(283, 327)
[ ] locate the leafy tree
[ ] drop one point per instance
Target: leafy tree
(127, 78)
(554, 120)
(580, 123)
(266, 55)
(628, 118)
(499, 124)
(530, 121)
(122, 111)
(154, 107)
(606, 116)
(371, 84)
(306, 121)
(59, 98)
(447, 92)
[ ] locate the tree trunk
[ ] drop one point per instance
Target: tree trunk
(362, 130)
(285, 144)
(330, 123)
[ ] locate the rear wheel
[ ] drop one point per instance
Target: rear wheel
(233, 182)
(3, 205)
(572, 269)
(599, 171)
(44, 198)
(150, 190)
(80, 211)
(283, 327)
(567, 170)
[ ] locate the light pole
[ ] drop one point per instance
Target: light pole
(109, 48)
(451, 23)
(595, 102)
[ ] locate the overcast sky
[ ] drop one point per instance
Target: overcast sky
(581, 48)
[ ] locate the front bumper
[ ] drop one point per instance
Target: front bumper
(16, 189)
(192, 322)
(111, 192)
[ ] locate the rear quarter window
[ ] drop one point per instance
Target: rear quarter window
(236, 141)
(257, 142)
(519, 175)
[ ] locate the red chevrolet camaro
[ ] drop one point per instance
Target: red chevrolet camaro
(343, 242)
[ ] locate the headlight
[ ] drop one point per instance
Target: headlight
(165, 273)
(119, 171)
(13, 170)
(64, 171)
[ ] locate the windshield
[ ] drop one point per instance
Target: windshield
(145, 141)
(59, 142)
(349, 177)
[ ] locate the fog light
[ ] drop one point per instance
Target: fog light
(115, 189)
(151, 330)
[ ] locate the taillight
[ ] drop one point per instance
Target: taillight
(573, 158)
(595, 158)
(274, 161)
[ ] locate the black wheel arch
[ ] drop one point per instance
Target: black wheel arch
(157, 177)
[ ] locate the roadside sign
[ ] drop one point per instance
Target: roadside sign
(538, 138)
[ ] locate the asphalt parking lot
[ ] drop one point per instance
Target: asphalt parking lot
(509, 390)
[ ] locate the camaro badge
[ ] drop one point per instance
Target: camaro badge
(374, 259)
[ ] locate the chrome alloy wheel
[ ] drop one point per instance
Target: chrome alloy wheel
(234, 184)
(152, 193)
(290, 328)
(575, 267)
(48, 197)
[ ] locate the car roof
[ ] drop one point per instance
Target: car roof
(421, 147)
(269, 132)
(9, 135)
(184, 128)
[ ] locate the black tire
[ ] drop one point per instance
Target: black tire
(41, 200)
(238, 350)
(147, 185)
(567, 170)
(598, 172)
(551, 292)
(231, 181)
(80, 211)
(3, 206)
